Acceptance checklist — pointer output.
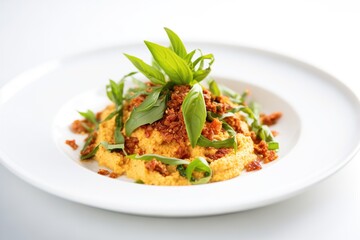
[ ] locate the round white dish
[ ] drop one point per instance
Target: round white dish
(319, 132)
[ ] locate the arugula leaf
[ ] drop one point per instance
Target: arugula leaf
(176, 43)
(173, 65)
(150, 100)
(154, 75)
(139, 118)
(163, 159)
(194, 112)
(198, 164)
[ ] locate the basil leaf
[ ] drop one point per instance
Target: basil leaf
(139, 118)
(198, 164)
(214, 88)
(255, 108)
(273, 145)
(106, 145)
(87, 142)
(90, 116)
(90, 154)
(115, 91)
(202, 58)
(154, 75)
(200, 75)
(173, 65)
(110, 116)
(233, 96)
(176, 43)
(163, 159)
(194, 112)
(232, 133)
(262, 131)
(189, 57)
(204, 142)
(110, 147)
(150, 100)
(119, 138)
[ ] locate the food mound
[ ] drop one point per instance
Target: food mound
(174, 129)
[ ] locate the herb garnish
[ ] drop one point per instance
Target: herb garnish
(198, 164)
(194, 111)
(172, 66)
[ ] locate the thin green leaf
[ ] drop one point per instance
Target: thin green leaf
(88, 141)
(90, 154)
(110, 116)
(119, 138)
(176, 43)
(150, 72)
(201, 165)
(150, 100)
(189, 56)
(110, 147)
(194, 112)
(255, 108)
(201, 74)
(115, 91)
(232, 95)
(204, 142)
(273, 145)
(139, 118)
(214, 88)
(202, 58)
(173, 65)
(139, 181)
(163, 159)
(231, 132)
(90, 116)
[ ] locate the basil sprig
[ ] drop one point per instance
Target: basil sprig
(198, 164)
(173, 64)
(194, 112)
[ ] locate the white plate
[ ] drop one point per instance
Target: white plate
(319, 132)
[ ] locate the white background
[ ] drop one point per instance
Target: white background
(323, 33)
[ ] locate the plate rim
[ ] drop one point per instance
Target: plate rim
(17, 81)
